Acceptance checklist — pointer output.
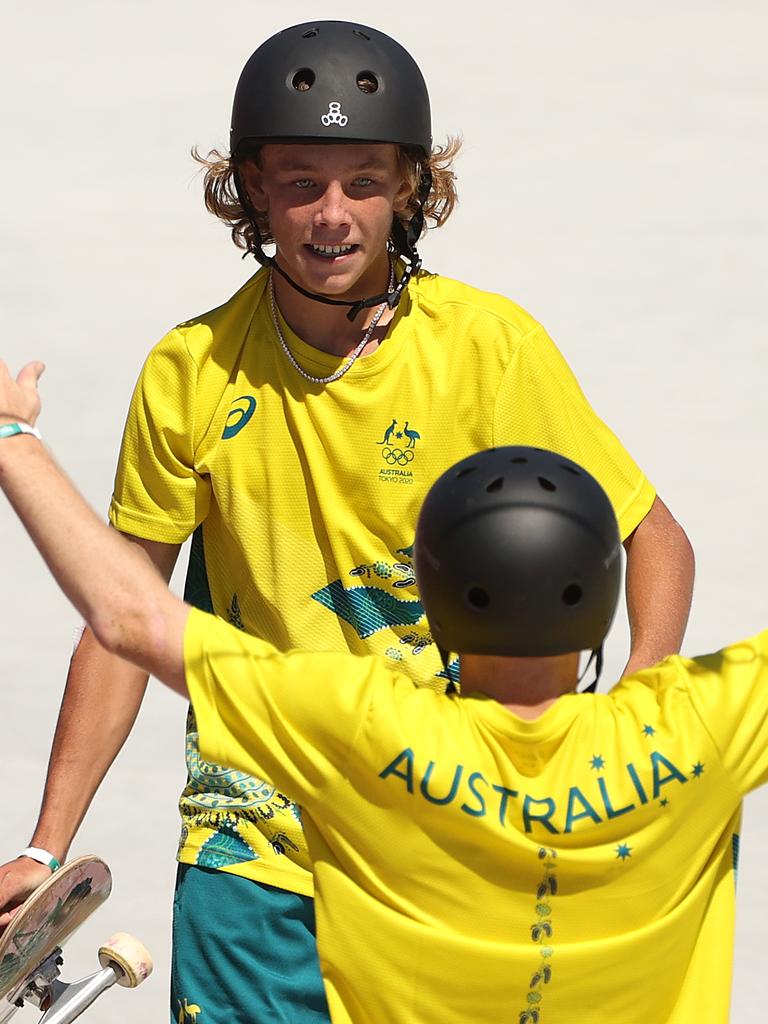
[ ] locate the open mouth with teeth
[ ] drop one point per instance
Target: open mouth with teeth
(331, 251)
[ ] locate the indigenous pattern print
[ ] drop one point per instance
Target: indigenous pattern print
(225, 811)
(541, 933)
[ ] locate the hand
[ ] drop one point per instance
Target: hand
(20, 399)
(18, 879)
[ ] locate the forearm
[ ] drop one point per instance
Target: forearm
(659, 585)
(85, 744)
(113, 585)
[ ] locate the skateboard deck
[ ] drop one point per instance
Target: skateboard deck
(53, 912)
(30, 946)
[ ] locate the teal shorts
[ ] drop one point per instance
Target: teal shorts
(243, 953)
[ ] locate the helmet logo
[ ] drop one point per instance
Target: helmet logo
(334, 116)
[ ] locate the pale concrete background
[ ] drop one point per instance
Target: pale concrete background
(612, 181)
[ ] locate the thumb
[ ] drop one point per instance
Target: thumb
(30, 375)
(6, 918)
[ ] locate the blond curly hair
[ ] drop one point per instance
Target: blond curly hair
(221, 198)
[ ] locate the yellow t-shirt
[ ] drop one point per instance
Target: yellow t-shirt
(472, 866)
(304, 497)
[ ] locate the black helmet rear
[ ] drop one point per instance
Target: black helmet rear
(517, 554)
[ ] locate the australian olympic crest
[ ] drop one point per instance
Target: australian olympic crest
(398, 450)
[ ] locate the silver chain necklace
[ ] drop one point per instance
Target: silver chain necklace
(353, 356)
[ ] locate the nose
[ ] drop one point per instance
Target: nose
(332, 209)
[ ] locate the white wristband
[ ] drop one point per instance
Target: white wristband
(11, 429)
(41, 856)
(77, 636)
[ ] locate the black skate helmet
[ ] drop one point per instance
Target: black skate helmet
(332, 80)
(517, 554)
(336, 81)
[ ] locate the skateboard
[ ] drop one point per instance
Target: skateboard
(31, 946)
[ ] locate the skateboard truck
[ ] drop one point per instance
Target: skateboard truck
(31, 947)
(124, 961)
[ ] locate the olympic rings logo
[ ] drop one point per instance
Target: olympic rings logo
(397, 456)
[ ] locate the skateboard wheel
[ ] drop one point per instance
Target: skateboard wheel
(129, 956)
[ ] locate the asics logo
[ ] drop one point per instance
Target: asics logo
(239, 415)
(334, 116)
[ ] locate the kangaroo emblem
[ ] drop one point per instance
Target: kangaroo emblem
(388, 432)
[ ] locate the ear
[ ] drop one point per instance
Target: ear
(402, 197)
(252, 179)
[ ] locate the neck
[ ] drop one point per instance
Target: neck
(525, 686)
(327, 327)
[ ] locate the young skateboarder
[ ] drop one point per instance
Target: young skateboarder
(520, 851)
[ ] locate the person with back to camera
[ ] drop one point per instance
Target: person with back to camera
(518, 852)
(294, 432)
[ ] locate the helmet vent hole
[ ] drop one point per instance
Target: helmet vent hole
(310, 33)
(495, 485)
(478, 598)
(361, 34)
(572, 594)
(572, 470)
(303, 80)
(518, 460)
(546, 485)
(367, 82)
(465, 471)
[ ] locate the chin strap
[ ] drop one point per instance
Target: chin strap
(445, 657)
(403, 243)
(597, 657)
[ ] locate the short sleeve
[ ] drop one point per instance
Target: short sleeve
(158, 494)
(541, 404)
(290, 718)
(729, 692)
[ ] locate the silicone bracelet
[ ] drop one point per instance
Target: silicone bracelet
(41, 856)
(11, 429)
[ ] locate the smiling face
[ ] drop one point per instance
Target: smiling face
(330, 211)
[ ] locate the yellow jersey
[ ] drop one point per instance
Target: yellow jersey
(473, 866)
(303, 498)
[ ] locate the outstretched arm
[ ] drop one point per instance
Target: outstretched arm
(100, 686)
(660, 569)
(119, 593)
